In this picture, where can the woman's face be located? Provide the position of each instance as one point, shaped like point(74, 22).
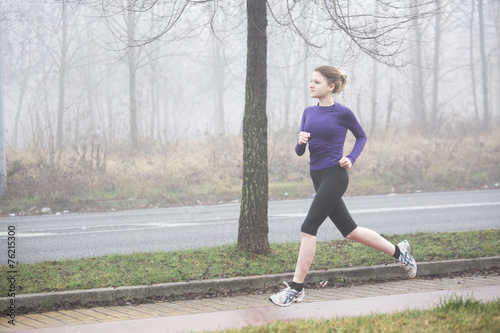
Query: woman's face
point(319, 86)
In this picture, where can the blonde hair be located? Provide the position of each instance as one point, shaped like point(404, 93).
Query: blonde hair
point(333, 75)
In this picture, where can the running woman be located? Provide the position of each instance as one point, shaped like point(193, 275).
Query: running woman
point(324, 127)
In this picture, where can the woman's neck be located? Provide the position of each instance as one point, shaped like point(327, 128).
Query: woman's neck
point(326, 101)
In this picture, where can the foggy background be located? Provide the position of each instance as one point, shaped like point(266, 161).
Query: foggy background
point(69, 76)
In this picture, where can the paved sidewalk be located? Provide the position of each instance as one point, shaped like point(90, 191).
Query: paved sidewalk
point(235, 312)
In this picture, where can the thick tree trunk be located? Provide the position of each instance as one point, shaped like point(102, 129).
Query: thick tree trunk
point(253, 227)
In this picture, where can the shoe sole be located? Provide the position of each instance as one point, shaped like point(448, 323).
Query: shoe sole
point(416, 270)
point(411, 253)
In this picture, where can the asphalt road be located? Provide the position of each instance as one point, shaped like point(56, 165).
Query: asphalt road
point(56, 237)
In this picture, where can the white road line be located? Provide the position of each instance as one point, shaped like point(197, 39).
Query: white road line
point(448, 206)
point(402, 209)
point(100, 229)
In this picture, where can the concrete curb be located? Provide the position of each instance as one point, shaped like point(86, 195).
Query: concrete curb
point(380, 272)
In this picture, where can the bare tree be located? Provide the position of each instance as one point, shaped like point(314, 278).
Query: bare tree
point(62, 74)
point(132, 71)
point(496, 16)
point(155, 95)
point(418, 87)
point(24, 77)
point(253, 227)
point(484, 67)
point(219, 75)
point(155, 68)
point(435, 82)
point(24, 66)
point(471, 53)
point(135, 34)
point(3, 161)
point(374, 92)
point(91, 79)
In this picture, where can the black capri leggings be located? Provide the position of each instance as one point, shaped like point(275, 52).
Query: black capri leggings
point(330, 185)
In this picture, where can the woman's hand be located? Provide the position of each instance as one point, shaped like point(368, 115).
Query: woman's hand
point(304, 138)
point(345, 163)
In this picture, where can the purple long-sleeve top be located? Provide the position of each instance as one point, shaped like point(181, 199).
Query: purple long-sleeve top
point(328, 127)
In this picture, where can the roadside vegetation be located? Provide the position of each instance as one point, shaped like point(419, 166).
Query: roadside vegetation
point(228, 261)
point(452, 315)
point(98, 176)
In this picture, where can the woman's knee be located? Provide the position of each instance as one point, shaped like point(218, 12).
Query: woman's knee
point(306, 235)
point(352, 235)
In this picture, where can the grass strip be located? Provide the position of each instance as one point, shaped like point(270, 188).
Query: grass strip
point(228, 261)
point(453, 315)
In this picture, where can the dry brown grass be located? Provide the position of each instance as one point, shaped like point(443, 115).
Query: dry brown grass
point(413, 163)
point(209, 170)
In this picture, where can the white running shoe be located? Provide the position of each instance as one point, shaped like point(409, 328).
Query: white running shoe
point(406, 259)
point(287, 296)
